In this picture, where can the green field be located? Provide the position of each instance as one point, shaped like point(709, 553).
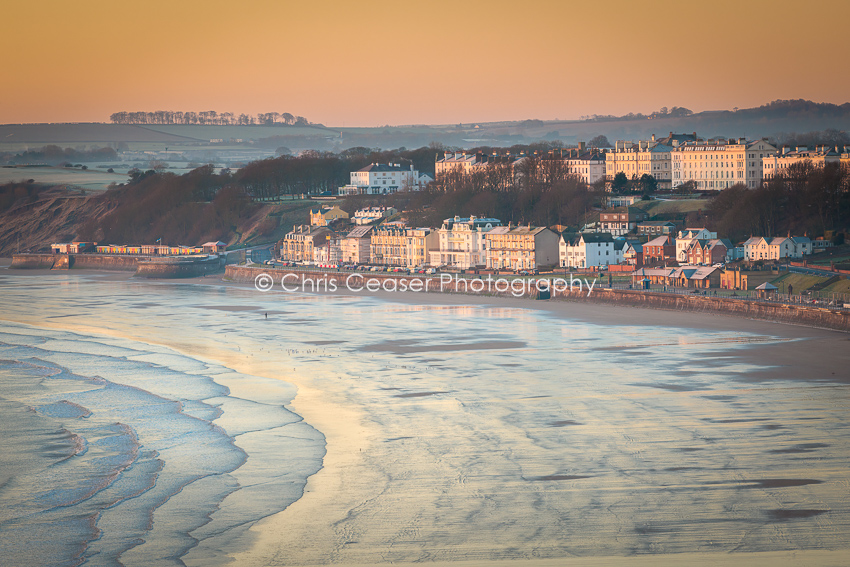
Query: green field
point(800, 282)
point(91, 179)
point(206, 133)
point(659, 207)
point(841, 286)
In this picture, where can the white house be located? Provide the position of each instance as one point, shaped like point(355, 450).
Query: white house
point(462, 242)
point(384, 179)
point(761, 248)
point(368, 215)
point(591, 250)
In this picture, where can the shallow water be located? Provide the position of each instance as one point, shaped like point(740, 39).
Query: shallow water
point(496, 432)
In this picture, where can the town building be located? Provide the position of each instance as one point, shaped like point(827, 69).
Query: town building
point(659, 250)
point(586, 164)
point(650, 157)
point(368, 215)
point(394, 244)
point(388, 246)
point(614, 201)
point(621, 220)
point(384, 179)
point(73, 247)
point(420, 243)
point(521, 248)
point(686, 238)
point(779, 163)
point(329, 253)
point(716, 165)
point(214, 247)
point(655, 228)
point(467, 164)
point(146, 249)
point(761, 248)
point(298, 245)
point(462, 242)
point(633, 254)
point(591, 250)
point(698, 277)
point(355, 246)
point(325, 215)
point(710, 252)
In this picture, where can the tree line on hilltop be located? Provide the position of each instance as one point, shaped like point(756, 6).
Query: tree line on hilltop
point(209, 117)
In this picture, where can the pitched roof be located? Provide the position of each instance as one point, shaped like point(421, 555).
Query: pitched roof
point(658, 241)
point(360, 232)
point(653, 272)
point(596, 237)
point(384, 167)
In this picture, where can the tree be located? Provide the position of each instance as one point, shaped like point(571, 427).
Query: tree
point(648, 184)
point(600, 141)
point(620, 183)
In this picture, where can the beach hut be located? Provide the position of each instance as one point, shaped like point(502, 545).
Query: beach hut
point(767, 290)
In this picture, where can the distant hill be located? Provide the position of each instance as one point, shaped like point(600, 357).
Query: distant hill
point(776, 118)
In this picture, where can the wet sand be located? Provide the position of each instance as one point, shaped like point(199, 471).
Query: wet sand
point(342, 493)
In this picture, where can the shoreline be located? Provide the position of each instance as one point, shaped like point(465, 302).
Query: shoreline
point(325, 499)
point(601, 309)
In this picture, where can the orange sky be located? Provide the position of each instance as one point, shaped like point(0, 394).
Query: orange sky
point(363, 62)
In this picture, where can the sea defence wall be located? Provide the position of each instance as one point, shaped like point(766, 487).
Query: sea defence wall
point(189, 267)
point(74, 261)
point(166, 267)
point(762, 310)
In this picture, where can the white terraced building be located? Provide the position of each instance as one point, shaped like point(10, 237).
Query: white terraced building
point(384, 179)
point(761, 248)
point(591, 250)
point(462, 242)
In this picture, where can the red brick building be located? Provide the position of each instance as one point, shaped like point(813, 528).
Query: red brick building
point(659, 250)
point(708, 252)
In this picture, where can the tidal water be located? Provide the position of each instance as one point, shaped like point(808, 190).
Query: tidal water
point(128, 436)
point(117, 451)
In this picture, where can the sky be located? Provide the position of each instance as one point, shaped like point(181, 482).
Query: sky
point(374, 62)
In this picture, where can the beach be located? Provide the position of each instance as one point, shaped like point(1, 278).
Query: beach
point(468, 430)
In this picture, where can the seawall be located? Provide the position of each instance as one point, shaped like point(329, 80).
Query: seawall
point(74, 261)
point(762, 310)
point(165, 267)
point(189, 267)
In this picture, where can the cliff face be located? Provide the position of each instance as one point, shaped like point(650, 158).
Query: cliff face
point(53, 218)
point(59, 216)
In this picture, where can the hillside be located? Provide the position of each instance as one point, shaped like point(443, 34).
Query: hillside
point(60, 216)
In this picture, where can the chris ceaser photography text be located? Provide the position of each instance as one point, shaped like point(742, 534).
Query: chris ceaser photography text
point(357, 283)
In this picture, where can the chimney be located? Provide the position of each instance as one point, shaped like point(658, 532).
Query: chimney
point(653, 137)
point(581, 147)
